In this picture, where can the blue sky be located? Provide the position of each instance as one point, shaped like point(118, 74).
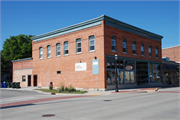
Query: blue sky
point(35, 18)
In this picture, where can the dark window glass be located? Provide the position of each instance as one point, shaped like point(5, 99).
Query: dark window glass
point(157, 52)
point(125, 45)
point(66, 48)
point(150, 51)
point(91, 43)
point(58, 49)
point(78, 45)
point(113, 43)
point(134, 47)
point(142, 49)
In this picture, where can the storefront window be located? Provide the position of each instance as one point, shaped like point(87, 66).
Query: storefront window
point(127, 78)
point(113, 77)
point(121, 77)
point(129, 65)
point(121, 64)
point(108, 77)
point(155, 73)
point(132, 77)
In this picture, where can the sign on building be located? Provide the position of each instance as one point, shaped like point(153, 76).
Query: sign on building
point(80, 66)
point(95, 66)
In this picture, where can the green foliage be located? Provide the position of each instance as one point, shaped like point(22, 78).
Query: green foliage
point(14, 48)
point(66, 89)
point(62, 88)
point(50, 87)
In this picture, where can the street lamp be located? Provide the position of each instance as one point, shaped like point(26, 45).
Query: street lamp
point(116, 58)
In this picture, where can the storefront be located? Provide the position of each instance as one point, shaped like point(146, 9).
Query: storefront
point(132, 72)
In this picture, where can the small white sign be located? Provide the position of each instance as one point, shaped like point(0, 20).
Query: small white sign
point(80, 66)
point(95, 63)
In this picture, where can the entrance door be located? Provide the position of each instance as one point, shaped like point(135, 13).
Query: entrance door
point(35, 80)
point(141, 72)
point(29, 80)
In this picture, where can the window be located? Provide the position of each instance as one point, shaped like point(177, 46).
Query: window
point(91, 43)
point(78, 45)
point(155, 72)
point(66, 48)
point(134, 47)
point(113, 43)
point(124, 45)
point(142, 49)
point(58, 49)
point(150, 53)
point(23, 78)
point(40, 53)
point(48, 51)
point(157, 52)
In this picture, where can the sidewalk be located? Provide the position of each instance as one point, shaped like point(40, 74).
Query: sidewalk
point(91, 92)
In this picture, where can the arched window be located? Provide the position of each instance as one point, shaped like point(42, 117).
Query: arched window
point(150, 51)
point(40, 53)
point(48, 51)
point(78, 45)
point(58, 49)
point(156, 52)
point(113, 43)
point(124, 45)
point(66, 48)
point(91, 43)
point(142, 49)
point(134, 47)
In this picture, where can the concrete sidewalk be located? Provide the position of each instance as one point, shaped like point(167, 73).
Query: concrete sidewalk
point(91, 92)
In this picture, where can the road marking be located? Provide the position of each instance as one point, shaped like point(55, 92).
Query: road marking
point(16, 99)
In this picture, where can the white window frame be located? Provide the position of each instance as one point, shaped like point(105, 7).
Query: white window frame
point(40, 53)
point(113, 38)
point(78, 41)
point(150, 51)
point(124, 41)
point(91, 38)
point(49, 51)
point(66, 44)
point(142, 49)
point(134, 46)
point(156, 52)
point(58, 45)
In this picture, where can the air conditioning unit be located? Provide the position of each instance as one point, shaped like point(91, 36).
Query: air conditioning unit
point(165, 59)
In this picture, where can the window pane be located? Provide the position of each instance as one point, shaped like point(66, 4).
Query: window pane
point(79, 50)
point(124, 50)
point(91, 47)
point(113, 77)
point(108, 77)
point(127, 78)
point(66, 51)
point(121, 80)
point(121, 64)
point(132, 77)
point(91, 42)
point(113, 48)
point(134, 47)
point(78, 44)
point(58, 53)
point(66, 47)
point(113, 42)
point(124, 44)
point(142, 48)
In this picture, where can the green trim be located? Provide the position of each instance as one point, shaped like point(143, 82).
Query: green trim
point(22, 59)
point(23, 69)
point(94, 22)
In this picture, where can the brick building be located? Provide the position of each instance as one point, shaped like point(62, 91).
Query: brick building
point(173, 53)
point(83, 55)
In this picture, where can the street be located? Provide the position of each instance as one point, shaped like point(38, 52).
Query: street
point(161, 105)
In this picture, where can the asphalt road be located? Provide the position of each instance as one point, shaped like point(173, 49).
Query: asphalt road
point(162, 105)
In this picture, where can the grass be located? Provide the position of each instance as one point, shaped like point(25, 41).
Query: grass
point(56, 91)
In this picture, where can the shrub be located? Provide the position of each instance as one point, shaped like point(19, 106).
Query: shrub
point(50, 87)
point(62, 88)
point(66, 89)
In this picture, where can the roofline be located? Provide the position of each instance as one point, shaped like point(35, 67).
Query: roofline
point(95, 22)
point(22, 59)
point(171, 47)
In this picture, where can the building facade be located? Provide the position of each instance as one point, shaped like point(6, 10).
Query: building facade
point(82, 55)
point(172, 52)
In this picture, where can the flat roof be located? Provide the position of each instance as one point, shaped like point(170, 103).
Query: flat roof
point(22, 59)
point(94, 22)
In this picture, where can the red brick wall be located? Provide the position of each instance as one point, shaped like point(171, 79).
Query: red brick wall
point(47, 68)
point(173, 53)
point(130, 37)
point(21, 65)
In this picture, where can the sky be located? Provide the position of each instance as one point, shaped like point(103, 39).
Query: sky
point(39, 17)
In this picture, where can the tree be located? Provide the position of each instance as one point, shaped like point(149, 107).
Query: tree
point(14, 48)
